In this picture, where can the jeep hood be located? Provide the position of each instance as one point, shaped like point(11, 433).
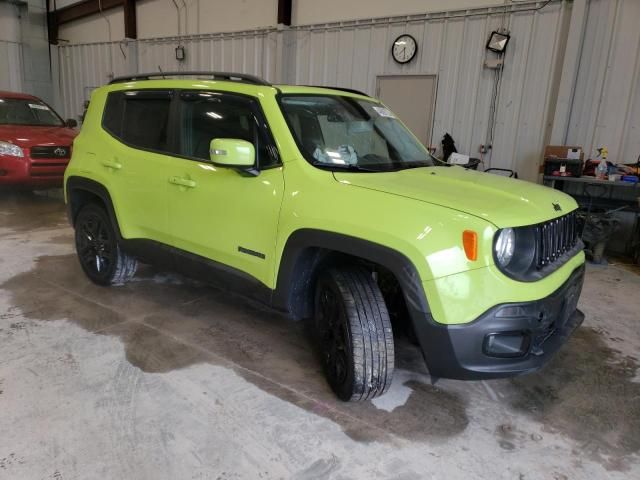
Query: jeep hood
point(505, 202)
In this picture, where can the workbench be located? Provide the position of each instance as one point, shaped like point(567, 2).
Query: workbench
point(602, 195)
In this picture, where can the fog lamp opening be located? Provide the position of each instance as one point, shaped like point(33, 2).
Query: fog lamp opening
point(507, 345)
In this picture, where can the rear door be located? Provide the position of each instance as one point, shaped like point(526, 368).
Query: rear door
point(216, 212)
point(135, 162)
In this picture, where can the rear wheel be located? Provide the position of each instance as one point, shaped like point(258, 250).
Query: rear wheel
point(100, 255)
point(354, 333)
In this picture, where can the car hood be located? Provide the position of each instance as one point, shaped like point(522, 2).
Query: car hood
point(29, 135)
point(503, 201)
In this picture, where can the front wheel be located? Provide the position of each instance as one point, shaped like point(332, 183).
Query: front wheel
point(100, 255)
point(354, 333)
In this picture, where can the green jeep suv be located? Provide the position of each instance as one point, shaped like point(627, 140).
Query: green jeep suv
point(320, 203)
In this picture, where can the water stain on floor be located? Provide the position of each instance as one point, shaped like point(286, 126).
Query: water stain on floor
point(169, 325)
point(586, 392)
point(167, 322)
point(24, 211)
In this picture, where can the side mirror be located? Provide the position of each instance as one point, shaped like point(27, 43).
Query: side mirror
point(232, 152)
point(71, 123)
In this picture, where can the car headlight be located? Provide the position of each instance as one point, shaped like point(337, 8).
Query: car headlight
point(505, 246)
point(10, 149)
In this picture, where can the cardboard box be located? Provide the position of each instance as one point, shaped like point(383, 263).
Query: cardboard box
point(564, 151)
point(561, 152)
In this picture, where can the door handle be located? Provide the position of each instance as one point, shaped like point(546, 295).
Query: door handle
point(183, 182)
point(112, 164)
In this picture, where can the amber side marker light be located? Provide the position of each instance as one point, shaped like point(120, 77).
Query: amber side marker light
point(470, 243)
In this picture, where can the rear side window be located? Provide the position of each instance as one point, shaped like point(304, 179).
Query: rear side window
point(139, 118)
point(113, 110)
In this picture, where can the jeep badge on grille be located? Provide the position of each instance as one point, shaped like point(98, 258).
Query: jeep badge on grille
point(60, 152)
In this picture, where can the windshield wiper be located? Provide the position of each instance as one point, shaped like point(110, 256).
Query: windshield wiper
point(344, 166)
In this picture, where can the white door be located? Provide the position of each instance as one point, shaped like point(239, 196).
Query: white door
point(412, 98)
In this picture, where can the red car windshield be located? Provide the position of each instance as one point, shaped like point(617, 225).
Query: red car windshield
point(18, 111)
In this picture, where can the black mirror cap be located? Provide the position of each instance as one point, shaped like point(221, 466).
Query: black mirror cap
point(71, 123)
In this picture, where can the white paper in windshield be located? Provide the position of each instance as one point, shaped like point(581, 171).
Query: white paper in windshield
point(384, 112)
point(37, 106)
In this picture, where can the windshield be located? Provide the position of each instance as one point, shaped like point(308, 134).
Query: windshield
point(348, 133)
point(18, 111)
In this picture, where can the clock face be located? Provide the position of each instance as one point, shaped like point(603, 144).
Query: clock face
point(404, 48)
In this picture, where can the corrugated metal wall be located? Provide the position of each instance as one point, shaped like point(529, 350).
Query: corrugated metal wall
point(11, 76)
point(85, 67)
point(82, 68)
point(451, 45)
point(246, 52)
point(606, 103)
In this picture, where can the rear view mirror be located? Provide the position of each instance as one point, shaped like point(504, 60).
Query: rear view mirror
point(232, 152)
point(71, 123)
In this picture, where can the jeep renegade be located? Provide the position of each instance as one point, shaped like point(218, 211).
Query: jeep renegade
point(320, 203)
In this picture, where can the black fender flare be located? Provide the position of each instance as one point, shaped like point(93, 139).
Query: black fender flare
point(305, 248)
point(81, 184)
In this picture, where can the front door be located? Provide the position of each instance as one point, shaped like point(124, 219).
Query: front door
point(219, 213)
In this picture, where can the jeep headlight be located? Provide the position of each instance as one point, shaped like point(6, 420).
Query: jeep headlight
point(504, 246)
point(10, 149)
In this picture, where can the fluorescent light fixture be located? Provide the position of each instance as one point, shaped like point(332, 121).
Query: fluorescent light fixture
point(498, 42)
point(215, 115)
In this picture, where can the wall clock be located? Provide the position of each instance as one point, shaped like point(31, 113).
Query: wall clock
point(404, 48)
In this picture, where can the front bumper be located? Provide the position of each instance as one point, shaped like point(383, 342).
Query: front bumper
point(26, 171)
point(507, 340)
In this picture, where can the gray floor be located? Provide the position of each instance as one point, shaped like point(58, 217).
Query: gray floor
point(168, 379)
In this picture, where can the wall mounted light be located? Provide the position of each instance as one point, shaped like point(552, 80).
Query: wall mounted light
point(180, 53)
point(498, 41)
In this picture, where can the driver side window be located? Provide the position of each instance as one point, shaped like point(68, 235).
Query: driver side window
point(205, 116)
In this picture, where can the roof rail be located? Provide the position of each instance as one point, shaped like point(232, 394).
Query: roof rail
point(234, 77)
point(342, 89)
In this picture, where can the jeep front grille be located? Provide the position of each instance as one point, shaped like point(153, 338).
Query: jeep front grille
point(554, 238)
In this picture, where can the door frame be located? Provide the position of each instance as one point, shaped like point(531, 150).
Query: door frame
point(415, 75)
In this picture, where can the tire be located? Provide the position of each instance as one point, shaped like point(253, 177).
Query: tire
point(100, 255)
point(354, 333)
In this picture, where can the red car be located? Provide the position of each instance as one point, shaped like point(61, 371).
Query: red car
point(35, 143)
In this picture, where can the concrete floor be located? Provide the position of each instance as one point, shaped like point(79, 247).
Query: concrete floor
point(169, 379)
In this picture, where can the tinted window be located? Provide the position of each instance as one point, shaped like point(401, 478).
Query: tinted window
point(113, 110)
point(139, 119)
point(207, 115)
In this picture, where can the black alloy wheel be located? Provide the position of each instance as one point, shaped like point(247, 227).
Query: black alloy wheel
point(99, 253)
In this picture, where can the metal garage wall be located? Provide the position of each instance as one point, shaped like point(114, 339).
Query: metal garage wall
point(11, 77)
point(251, 52)
point(606, 102)
point(83, 67)
point(452, 45)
